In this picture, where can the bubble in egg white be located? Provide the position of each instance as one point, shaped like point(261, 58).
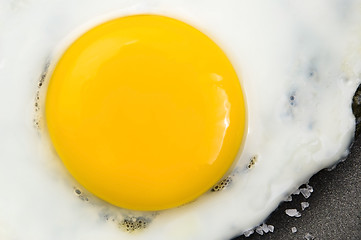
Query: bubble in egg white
point(299, 64)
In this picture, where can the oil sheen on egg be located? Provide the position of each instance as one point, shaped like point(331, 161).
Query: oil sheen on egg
point(298, 63)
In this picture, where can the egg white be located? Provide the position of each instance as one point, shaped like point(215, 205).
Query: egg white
point(299, 64)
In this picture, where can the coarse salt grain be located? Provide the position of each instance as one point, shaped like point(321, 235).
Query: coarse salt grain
point(259, 230)
point(288, 199)
point(265, 228)
point(248, 233)
point(308, 236)
point(304, 205)
point(293, 213)
point(305, 192)
point(296, 192)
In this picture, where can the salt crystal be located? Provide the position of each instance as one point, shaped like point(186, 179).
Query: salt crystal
point(304, 205)
point(305, 192)
point(310, 188)
point(293, 213)
point(248, 233)
point(259, 230)
point(294, 229)
point(265, 228)
point(271, 228)
point(296, 192)
point(288, 199)
point(309, 236)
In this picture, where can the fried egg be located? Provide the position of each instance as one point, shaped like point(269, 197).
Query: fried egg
point(261, 89)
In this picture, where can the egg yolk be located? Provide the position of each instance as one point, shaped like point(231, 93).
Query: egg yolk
point(146, 112)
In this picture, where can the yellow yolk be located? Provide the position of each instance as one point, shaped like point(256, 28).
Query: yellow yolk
point(146, 112)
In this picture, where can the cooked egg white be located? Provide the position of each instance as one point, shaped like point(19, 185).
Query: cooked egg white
point(298, 63)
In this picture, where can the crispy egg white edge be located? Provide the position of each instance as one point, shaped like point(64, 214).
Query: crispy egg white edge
point(87, 217)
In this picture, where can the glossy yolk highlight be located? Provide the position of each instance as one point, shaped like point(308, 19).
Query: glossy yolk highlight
point(146, 112)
